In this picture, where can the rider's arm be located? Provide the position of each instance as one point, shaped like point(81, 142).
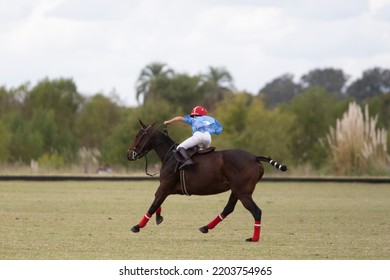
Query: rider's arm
point(175, 119)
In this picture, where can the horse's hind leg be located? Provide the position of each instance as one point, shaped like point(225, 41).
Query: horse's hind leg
point(251, 206)
point(229, 208)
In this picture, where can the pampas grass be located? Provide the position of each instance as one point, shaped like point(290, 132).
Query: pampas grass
point(356, 146)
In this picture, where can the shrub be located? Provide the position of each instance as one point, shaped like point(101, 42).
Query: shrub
point(52, 161)
point(356, 146)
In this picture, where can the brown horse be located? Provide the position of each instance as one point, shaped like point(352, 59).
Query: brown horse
point(212, 173)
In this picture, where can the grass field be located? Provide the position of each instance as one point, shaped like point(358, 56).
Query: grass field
point(91, 220)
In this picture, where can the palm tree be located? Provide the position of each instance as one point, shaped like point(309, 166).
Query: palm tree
point(218, 83)
point(150, 73)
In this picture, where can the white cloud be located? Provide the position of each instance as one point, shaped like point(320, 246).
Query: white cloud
point(104, 45)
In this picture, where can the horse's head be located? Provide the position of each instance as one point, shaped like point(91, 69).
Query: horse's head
point(141, 145)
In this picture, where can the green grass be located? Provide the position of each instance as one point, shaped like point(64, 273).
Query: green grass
point(91, 220)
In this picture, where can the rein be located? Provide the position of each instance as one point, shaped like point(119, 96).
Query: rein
point(146, 167)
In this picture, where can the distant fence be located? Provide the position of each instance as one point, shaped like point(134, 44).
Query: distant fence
point(373, 180)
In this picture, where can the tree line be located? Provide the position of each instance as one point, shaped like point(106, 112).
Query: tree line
point(54, 124)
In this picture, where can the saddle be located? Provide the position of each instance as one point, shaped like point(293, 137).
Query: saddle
point(199, 150)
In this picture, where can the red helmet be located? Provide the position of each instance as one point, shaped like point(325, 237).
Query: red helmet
point(198, 111)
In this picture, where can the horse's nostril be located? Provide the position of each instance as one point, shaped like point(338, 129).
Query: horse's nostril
point(132, 155)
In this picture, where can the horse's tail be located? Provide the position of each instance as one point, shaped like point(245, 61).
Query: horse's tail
point(279, 166)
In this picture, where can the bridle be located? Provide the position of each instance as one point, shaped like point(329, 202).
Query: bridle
point(135, 154)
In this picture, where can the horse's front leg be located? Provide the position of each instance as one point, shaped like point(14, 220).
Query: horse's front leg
point(159, 218)
point(145, 219)
point(154, 208)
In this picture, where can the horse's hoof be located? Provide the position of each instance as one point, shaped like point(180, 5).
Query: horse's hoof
point(159, 219)
point(251, 240)
point(135, 229)
point(204, 229)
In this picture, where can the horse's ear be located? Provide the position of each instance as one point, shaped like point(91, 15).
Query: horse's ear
point(142, 124)
point(153, 124)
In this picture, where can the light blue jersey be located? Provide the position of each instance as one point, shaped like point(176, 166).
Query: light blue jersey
point(204, 123)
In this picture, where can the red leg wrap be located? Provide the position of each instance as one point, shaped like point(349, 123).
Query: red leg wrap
point(144, 220)
point(216, 221)
point(256, 231)
point(158, 211)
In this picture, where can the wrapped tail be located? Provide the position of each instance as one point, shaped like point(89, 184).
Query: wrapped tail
point(277, 165)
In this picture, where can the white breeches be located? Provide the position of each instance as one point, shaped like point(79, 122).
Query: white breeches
point(198, 138)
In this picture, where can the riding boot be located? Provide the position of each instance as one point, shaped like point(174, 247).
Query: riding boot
point(187, 161)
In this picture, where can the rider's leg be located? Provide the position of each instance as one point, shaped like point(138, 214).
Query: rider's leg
point(187, 160)
point(194, 140)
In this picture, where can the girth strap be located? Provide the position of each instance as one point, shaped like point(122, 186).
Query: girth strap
point(183, 183)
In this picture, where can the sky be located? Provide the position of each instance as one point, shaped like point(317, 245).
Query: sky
point(104, 44)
